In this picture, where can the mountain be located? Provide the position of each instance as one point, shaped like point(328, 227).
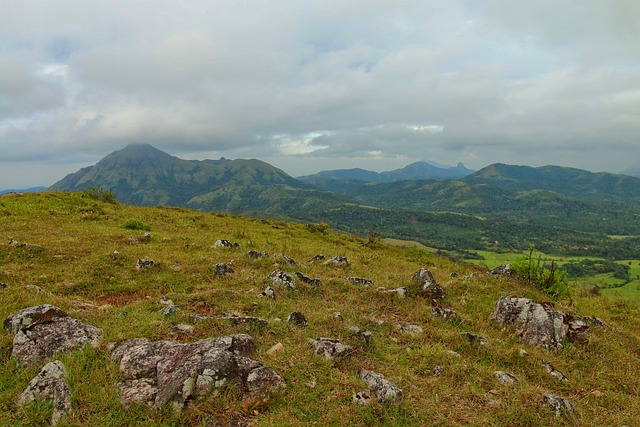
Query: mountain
point(24, 190)
point(140, 174)
point(417, 170)
point(632, 171)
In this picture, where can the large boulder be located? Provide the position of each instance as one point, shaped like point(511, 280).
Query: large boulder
point(44, 330)
point(167, 372)
point(49, 385)
point(537, 324)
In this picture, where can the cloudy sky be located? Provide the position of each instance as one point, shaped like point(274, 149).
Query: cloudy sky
point(312, 85)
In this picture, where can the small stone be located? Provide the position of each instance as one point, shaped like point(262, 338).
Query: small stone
point(443, 314)
point(330, 348)
point(246, 320)
point(315, 282)
point(269, 292)
point(338, 315)
point(166, 301)
point(169, 310)
point(505, 377)
point(362, 398)
point(3, 285)
point(286, 259)
point(222, 270)
point(384, 389)
point(338, 260)
point(503, 270)
point(474, 339)
point(256, 255)
point(263, 381)
point(523, 353)
point(454, 353)
point(560, 406)
point(317, 257)
point(409, 329)
point(142, 264)
point(221, 243)
point(282, 279)
point(553, 371)
point(437, 371)
point(183, 329)
point(400, 292)
point(359, 281)
point(276, 349)
point(595, 321)
point(298, 319)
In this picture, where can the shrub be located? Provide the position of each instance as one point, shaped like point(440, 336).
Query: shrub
point(134, 224)
point(98, 193)
point(549, 279)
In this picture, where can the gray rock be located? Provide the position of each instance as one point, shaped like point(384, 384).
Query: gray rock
point(142, 264)
point(269, 292)
point(49, 385)
point(338, 315)
point(222, 270)
point(536, 324)
point(362, 398)
point(221, 243)
point(359, 281)
point(314, 282)
point(256, 255)
point(182, 329)
point(169, 310)
point(408, 328)
point(42, 331)
point(3, 285)
point(400, 292)
point(282, 279)
point(430, 287)
point(505, 377)
point(317, 257)
point(553, 371)
point(503, 270)
point(385, 391)
point(286, 259)
point(595, 321)
point(330, 348)
point(298, 319)
point(443, 313)
point(437, 371)
point(166, 372)
point(338, 260)
point(559, 405)
point(474, 339)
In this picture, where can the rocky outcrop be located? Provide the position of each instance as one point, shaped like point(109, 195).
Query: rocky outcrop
point(280, 278)
point(430, 287)
point(298, 319)
point(166, 372)
point(44, 330)
point(49, 385)
point(538, 324)
point(330, 348)
point(311, 281)
point(384, 390)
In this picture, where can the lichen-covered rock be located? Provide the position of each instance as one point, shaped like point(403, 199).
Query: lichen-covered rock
point(536, 324)
point(505, 377)
point(282, 258)
point(167, 372)
point(409, 329)
point(385, 391)
point(443, 313)
point(49, 384)
point(360, 281)
point(553, 371)
point(338, 260)
point(280, 278)
point(399, 292)
point(298, 319)
point(221, 243)
point(42, 331)
point(256, 255)
point(430, 287)
point(503, 270)
point(474, 339)
point(362, 398)
point(311, 281)
point(142, 264)
point(269, 292)
point(169, 309)
point(559, 405)
point(222, 270)
point(316, 257)
point(330, 348)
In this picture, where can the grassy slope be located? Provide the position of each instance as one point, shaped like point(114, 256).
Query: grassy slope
point(78, 272)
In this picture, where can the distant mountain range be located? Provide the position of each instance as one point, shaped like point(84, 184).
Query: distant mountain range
point(24, 190)
point(513, 205)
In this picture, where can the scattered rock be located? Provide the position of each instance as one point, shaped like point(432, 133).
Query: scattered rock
point(536, 324)
point(169, 310)
point(49, 384)
point(523, 353)
point(577, 330)
point(437, 371)
point(221, 243)
point(364, 334)
point(38, 289)
point(269, 292)
point(315, 282)
point(166, 301)
point(246, 320)
point(338, 315)
point(474, 339)
point(338, 260)
point(453, 353)
point(276, 349)
point(560, 406)
point(443, 314)
point(285, 258)
point(3, 285)
point(453, 274)
point(359, 281)
point(44, 330)
point(362, 398)
point(330, 348)
point(282, 279)
point(505, 377)
point(400, 292)
point(385, 391)
point(430, 287)
point(145, 237)
point(144, 263)
point(595, 321)
point(256, 255)
point(298, 319)
point(407, 328)
point(182, 329)
point(317, 257)
point(222, 270)
point(503, 270)
point(553, 371)
point(167, 372)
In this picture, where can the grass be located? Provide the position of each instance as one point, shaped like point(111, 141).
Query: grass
point(78, 271)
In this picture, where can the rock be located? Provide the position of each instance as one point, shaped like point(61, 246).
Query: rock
point(536, 324)
point(362, 398)
point(364, 334)
point(256, 255)
point(285, 259)
point(430, 287)
point(144, 263)
point(443, 314)
point(453, 274)
point(407, 328)
point(49, 384)
point(503, 270)
point(145, 237)
point(330, 348)
point(282, 279)
point(577, 330)
point(559, 405)
point(338, 260)
point(338, 315)
point(3, 285)
point(400, 292)
point(276, 349)
point(246, 320)
point(384, 389)
point(437, 371)
point(269, 292)
point(317, 257)
point(298, 319)
point(595, 321)
point(474, 339)
point(553, 371)
point(221, 243)
point(359, 281)
point(166, 301)
point(222, 270)
point(315, 282)
point(505, 377)
point(169, 310)
point(182, 329)
point(523, 353)
point(42, 331)
point(167, 372)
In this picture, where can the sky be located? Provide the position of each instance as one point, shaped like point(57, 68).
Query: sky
point(317, 85)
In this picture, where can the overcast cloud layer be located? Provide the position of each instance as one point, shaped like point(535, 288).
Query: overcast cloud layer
point(312, 85)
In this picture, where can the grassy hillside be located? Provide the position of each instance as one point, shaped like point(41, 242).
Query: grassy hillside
point(75, 268)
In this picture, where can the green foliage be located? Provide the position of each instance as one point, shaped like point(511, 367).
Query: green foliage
point(590, 267)
point(134, 224)
point(320, 227)
point(547, 278)
point(98, 193)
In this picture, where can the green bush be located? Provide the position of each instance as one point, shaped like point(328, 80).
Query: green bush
point(134, 224)
point(547, 278)
point(98, 193)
